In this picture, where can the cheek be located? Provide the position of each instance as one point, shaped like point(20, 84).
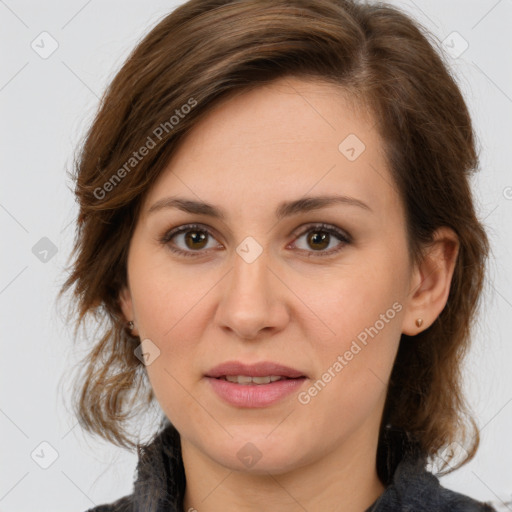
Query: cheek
point(363, 311)
point(365, 340)
point(165, 293)
point(354, 364)
point(167, 300)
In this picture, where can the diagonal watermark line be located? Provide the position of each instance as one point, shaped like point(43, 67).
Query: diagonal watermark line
point(304, 98)
point(14, 76)
point(14, 218)
point(67, 225)
point(491, 490)
point(502, 296)
point(7, 7)
point(377, 377)
point(69, 431)
point(374, 168)
point(13, 279)
point(14, 485)
point(85, 494)
point(285, 490)
point(183, 183)
point(491, 212)
point(424, 13)
point(101, 474)
point(80, 79)
point(492, 81)
point(14, 424)
point(216, 487)
point(492, 419)
point(76, 14)
point(282, 421)
point(486, 14)
point(301, 300)
point(205, 409)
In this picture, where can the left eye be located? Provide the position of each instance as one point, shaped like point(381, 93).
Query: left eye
point(195, 239)
point(321, 237)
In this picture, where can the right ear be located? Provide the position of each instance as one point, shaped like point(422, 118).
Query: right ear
point(125, 301)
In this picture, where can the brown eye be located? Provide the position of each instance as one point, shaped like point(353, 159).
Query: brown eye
point(189, 240)
point(318, 238)
point(195, 239)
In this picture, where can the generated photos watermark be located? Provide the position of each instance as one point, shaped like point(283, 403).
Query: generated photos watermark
point(304, 397)
point(151, 142)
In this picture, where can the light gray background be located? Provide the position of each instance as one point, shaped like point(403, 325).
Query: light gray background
point(47, 104)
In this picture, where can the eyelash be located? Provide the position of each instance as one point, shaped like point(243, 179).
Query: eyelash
point(324, 228)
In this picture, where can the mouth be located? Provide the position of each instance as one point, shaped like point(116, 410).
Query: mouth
point(258, 373)
point(254, 385)
point(245, 380)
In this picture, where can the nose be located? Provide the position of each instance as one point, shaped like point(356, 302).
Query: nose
point(253, 299)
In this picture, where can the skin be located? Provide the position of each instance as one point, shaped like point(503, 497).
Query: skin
point(291, 305)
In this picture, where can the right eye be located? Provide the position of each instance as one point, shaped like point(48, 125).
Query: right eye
point(193, 237)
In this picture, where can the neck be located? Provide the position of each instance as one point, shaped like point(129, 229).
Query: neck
point(345, 476)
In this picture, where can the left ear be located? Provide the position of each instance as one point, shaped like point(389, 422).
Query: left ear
point(431, 280)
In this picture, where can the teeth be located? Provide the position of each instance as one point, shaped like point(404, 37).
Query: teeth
point(244, 379)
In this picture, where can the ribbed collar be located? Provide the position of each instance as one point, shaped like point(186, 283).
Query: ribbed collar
point(160, 482)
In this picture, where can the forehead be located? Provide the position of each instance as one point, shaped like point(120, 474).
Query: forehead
point(279, 141)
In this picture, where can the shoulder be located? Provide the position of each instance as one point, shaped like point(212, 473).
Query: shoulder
point(422, 490)
point(124, 504)
point(457, 502)
point(413, 487)
point(402, 467)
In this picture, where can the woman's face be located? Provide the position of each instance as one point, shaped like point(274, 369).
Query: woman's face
point(323, 290)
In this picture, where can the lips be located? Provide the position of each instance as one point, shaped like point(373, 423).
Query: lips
point(254, 385)
point(262, 369)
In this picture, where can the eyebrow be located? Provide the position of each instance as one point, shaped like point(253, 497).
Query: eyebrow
point(285, 209)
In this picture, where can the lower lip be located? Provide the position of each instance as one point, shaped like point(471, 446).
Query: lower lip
point(254, 395)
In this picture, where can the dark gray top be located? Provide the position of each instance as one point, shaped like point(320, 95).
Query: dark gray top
point(160, 480)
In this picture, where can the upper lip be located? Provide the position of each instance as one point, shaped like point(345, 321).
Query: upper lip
point(262, 369)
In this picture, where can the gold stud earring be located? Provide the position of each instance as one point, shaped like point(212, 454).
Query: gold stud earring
point(419, 322)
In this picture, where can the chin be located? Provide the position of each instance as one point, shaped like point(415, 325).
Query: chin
point(258, 454)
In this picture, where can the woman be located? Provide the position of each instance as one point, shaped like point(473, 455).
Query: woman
point(237, 137)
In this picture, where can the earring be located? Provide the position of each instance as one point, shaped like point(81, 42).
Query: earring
point(419, 322)
point(130, 325)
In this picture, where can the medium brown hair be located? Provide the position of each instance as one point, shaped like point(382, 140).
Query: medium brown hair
point(206, 50)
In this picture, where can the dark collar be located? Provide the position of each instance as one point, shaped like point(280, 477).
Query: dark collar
point(160, 481)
